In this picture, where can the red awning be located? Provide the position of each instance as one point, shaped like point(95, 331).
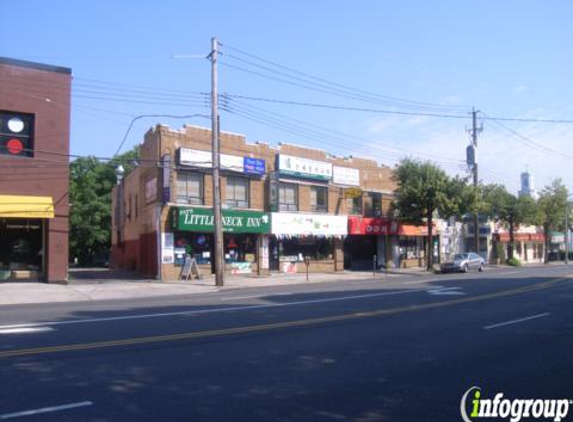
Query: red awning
point(375, 226)
point(521, 237)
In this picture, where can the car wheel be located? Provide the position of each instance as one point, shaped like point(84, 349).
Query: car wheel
point(465, 268)
point(481, 268)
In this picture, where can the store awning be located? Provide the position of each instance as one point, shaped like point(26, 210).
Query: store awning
point(12, 206)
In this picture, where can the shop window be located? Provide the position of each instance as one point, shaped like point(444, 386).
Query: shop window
point(21, 248)
point(190, 188)
point(356, 205)
point(240, 247)
point(237, 192)
point(288, 197)
point(314, 247)
point(319, 198)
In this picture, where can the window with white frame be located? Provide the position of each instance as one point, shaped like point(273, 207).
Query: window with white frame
point(237, 194)
point(288, 197)
point(190, 188)
point(319, 198)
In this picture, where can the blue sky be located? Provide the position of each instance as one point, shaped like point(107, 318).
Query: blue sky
point(505, 58)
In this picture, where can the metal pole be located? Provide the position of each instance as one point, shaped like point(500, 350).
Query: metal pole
point(218, 223)
point(567, 232)
point(475, 174)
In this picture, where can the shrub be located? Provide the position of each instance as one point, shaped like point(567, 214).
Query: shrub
point(514, 262)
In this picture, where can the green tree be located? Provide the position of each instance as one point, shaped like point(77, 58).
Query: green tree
point(508, 210)
point(91, 182)
point(552, 206)
point(424, 189)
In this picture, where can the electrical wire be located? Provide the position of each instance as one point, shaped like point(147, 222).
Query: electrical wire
point(346, 108)
point(334, 85)
point(322, 132)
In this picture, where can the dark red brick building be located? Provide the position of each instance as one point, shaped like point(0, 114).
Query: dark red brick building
point(34, 174)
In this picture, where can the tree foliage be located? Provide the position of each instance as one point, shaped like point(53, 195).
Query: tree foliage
point(552, 207)
point(424, 189)
point(91, 182)
point(508, 210)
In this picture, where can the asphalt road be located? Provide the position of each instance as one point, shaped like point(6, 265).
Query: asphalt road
point(400, 349)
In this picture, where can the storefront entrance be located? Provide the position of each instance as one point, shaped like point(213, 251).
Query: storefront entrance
point(21, 249)
point(359, 252)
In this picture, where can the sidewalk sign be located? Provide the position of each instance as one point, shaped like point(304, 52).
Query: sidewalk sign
point(190, 269)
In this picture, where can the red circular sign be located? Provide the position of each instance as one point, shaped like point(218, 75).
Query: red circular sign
point(14, 146)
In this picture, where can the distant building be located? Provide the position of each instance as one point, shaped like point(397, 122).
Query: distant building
point(34, 175)
point(528, 186)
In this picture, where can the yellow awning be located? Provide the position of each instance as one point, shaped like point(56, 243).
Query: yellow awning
point(12, 206)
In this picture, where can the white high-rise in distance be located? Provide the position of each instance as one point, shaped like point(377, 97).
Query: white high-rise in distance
point(528, 186)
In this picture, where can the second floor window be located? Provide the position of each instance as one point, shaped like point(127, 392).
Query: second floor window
point(190, 188)
point(288, 197)
point(319, 198)
point(356, 205)
point(237, 194)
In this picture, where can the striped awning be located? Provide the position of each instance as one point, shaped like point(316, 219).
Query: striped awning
point(13, 206)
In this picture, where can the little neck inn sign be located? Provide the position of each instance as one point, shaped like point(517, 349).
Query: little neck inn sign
point(234, 221)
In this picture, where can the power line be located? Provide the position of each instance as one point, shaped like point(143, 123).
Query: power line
point(347, 108)
point(325, 133)
point(324, 82)
point(532, 144)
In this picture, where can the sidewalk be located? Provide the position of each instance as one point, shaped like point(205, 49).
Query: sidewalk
point(104, 284)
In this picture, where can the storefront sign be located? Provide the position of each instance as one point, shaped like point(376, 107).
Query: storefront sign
point(304, 167)
point(151, 190)
point(167, 248)
point(202, 220)
point(309, 224)
point(253, 166)
point(166, 191)
point(204, 159)
point(376, 226)
point(264, 253)
point(521, 237)
point(274, 192)
point(241, 268)
point(346, 176)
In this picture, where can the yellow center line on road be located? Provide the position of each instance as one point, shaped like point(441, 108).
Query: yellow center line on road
point(278, 325)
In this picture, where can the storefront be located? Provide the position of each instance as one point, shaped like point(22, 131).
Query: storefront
point(394, 244)
point(300, 238)
point(23, 224)
point(528, 247)
point(192, 233)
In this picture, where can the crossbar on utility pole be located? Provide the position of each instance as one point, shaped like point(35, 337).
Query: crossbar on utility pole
point(217, 213)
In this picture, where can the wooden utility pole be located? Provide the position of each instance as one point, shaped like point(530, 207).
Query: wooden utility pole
point(474, 133)
point(217, 213)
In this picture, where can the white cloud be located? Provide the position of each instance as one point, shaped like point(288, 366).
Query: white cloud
point(502, 156)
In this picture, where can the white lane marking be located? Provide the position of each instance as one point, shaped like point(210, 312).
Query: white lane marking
point(211, 311)
point(256, 296)
point(45, 410)
point(516, 321)
point(25, 330)
point(446, 291)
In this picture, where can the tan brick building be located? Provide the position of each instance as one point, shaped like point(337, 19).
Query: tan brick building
point(280, 205)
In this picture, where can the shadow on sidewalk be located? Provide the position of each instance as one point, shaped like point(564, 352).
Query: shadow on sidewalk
point(99, 275)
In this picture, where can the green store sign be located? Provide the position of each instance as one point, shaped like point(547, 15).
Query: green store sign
point(202, 220)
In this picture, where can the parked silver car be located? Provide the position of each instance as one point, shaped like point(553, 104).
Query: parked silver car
point(463, 262)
